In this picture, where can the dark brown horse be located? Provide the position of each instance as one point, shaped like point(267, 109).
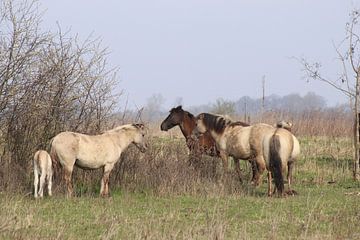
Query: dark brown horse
point(203, 144)
point(186, 121)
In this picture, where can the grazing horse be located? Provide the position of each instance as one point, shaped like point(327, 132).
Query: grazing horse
point(95, 151)
point(204, 143)
point(272, 148)
point(42, 167)
point(186, 121)
point(284, 124)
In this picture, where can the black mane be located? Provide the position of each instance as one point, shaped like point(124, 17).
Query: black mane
point(215, 122)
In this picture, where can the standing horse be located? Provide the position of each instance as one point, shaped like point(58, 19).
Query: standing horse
point(96, 151)
point(42, 167)
point(272, 148)
point(186, 121)
point(197, 146)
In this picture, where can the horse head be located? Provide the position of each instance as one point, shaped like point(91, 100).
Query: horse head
point(139, 139)
point(175, 118)
point(284, 124)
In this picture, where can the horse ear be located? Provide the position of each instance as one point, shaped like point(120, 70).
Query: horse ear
point(139, 125)
point(201, 116)
point(178, 108)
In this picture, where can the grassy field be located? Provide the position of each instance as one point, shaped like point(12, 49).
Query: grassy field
point(327, 207)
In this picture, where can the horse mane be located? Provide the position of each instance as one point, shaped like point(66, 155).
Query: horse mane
point(125, 127)
point(189, 114)
point(180, 109)
point(216, 122)
point(239, 123)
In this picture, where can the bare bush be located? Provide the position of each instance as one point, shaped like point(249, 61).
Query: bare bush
point(49, 82)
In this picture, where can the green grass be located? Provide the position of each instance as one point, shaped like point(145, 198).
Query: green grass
point(317, 212)
point(327, 206)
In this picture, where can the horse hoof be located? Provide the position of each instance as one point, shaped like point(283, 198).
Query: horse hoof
point(291, 193)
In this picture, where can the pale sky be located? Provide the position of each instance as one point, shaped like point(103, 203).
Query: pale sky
point(201, 50)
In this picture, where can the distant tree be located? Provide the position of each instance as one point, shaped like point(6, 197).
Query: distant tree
point(313, 101)
point(223, 107)
point(348, 82)
point(153, 108)
point(292, 103)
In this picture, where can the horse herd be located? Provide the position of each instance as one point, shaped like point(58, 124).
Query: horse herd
point(266, 147)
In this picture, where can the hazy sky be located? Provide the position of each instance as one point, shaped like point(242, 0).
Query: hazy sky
point(201, 50)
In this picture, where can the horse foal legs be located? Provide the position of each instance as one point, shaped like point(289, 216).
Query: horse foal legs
point(42, 184)
point(36, 182)
point(49, 180)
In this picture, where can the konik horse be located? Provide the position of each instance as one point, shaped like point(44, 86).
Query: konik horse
point(95, 151)
point(272, 148)
point(42, 167)
point(204, 143)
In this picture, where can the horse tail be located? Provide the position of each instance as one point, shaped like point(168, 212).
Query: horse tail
point(276, 163)
point(54, 159)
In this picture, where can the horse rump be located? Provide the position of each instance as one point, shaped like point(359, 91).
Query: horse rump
point(55, 160)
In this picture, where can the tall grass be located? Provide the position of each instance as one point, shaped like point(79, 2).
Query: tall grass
point(158, 195)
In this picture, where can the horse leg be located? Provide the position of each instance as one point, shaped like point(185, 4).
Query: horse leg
point(36, 182)
point(260, 166)
point(42, 184)
point(289, 176)
point(269, 184)
point(49, 180)
point(255, 170)
point(237, 168)
point(104, 190)
point(224, 158)
point(67, 176)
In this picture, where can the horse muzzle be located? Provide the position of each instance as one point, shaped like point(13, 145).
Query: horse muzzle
point(143, 148)
point(196, 133)
point(163, 127)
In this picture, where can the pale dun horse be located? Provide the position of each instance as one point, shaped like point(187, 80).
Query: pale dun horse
point(42, 167)
point(272, 148)
point(95, 151)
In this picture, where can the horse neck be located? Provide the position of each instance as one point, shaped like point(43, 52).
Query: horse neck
point(124, 139)
point(216, 136)
point(187, 126)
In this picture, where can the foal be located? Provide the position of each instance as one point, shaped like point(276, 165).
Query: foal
point(42, 167)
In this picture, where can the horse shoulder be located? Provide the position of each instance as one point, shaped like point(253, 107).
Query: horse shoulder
point(237, 144)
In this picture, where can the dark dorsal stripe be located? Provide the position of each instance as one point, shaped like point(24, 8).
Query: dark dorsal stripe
point(138, 125)
point(243, 124)
point(216, 123)
point(190, 115)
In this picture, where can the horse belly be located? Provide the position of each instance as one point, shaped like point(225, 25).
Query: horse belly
point(238, 146)
point(88, 165)
point(95, 157)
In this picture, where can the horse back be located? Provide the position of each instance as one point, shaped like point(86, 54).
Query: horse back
point(42, 160)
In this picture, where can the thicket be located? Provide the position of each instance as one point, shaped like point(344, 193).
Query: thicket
point(49, 82)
